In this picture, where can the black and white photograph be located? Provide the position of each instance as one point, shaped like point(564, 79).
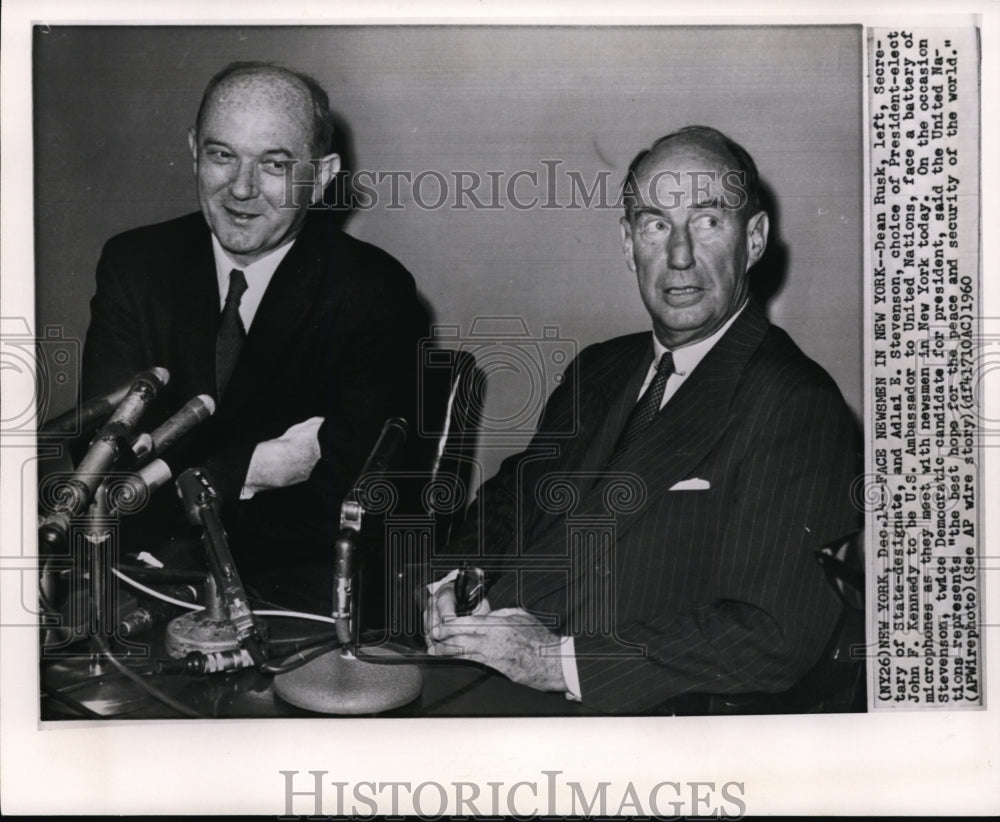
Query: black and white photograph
point(370, 378)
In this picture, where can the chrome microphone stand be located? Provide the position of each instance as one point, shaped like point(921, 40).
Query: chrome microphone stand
point(350, 679)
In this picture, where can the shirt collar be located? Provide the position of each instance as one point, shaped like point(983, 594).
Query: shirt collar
point(258, 272)
point(688, 356)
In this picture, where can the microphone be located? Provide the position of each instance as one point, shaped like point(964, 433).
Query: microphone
point(392, 437)
point(155, 473)
point(153, 444)
point(80, 420)
point(105, 450)
point(343, 681)
point(139, 485)
point(202, 506)
point(107, 446)
point(351, 511)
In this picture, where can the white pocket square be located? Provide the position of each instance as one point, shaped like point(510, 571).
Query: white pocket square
point(693, 484)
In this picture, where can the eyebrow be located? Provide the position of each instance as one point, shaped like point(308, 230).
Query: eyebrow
point(643, 211)
point(210, 141)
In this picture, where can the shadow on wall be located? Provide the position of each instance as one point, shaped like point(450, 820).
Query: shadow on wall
point(338, 195)
point(767, 278)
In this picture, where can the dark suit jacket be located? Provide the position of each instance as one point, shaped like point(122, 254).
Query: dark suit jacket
point(334, 336)
point(672, 592)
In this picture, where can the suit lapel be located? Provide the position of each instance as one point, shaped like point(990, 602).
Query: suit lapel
point(604, 404)
point(685, 430)
point(195, 311)
point(614, 401)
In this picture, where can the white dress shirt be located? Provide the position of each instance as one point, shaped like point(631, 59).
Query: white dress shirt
point(685, 359)
point(258, 275)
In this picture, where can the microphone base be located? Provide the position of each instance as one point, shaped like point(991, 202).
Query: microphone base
point(340, 683)
point(198, 632)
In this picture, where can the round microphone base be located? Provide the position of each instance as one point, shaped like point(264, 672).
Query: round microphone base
point(340, 683)
point(198, 632)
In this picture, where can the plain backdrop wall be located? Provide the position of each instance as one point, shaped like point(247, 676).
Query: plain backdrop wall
point(112, 106)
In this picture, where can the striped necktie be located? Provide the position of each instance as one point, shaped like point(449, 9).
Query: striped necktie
point(229, 340)
point(645, 409)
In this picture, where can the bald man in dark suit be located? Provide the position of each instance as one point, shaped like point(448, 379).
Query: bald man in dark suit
point(666, 550)
point(328, 326)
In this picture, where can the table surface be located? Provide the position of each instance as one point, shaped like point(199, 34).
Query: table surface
point(449, 688)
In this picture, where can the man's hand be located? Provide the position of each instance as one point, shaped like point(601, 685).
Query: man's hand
point(509, 640)
point(284, 461)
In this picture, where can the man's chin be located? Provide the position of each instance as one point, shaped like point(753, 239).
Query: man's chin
point(239, 244)
point(683, 327)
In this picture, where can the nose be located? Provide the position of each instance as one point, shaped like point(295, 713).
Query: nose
point(679, 251)
point(243, 185)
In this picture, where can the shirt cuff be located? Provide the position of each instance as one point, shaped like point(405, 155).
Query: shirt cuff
point(567, 655)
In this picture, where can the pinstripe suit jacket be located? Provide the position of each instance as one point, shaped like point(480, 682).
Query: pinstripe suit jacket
point(707, 588)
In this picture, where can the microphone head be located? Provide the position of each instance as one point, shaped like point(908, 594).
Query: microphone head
point(195, 490)
point(207, 404)
point(53, 531)
point(399, 423)
point(157, 377)
point(195, 411)
point(116, 396)
point(132, 493)
point(155, 475)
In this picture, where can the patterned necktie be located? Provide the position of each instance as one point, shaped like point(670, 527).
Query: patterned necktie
point(231, 334)
point(645, 409)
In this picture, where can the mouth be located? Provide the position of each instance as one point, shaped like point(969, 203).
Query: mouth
point(240, 217)
point(682, 295)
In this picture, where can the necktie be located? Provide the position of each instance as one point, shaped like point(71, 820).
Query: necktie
point(645, 409)
point(231, 334)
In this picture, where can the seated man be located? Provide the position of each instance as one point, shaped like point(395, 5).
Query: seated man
point(720, 454)
point(305, 337)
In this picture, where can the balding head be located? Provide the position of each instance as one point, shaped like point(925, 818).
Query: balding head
point(743, 179)
point(277, 87)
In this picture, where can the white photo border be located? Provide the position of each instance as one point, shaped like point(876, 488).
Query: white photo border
point(877, 763)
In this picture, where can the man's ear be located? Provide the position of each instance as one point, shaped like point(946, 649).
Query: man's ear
point(757, 228)
point(193, 145)
point(327, 168)
point(627, 247)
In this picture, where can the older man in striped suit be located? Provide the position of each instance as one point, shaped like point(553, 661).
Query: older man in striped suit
point(711, 458)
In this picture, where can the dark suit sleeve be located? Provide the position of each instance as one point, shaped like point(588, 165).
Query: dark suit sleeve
point(774, 611)
point(114, 351)
point(375, 377)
